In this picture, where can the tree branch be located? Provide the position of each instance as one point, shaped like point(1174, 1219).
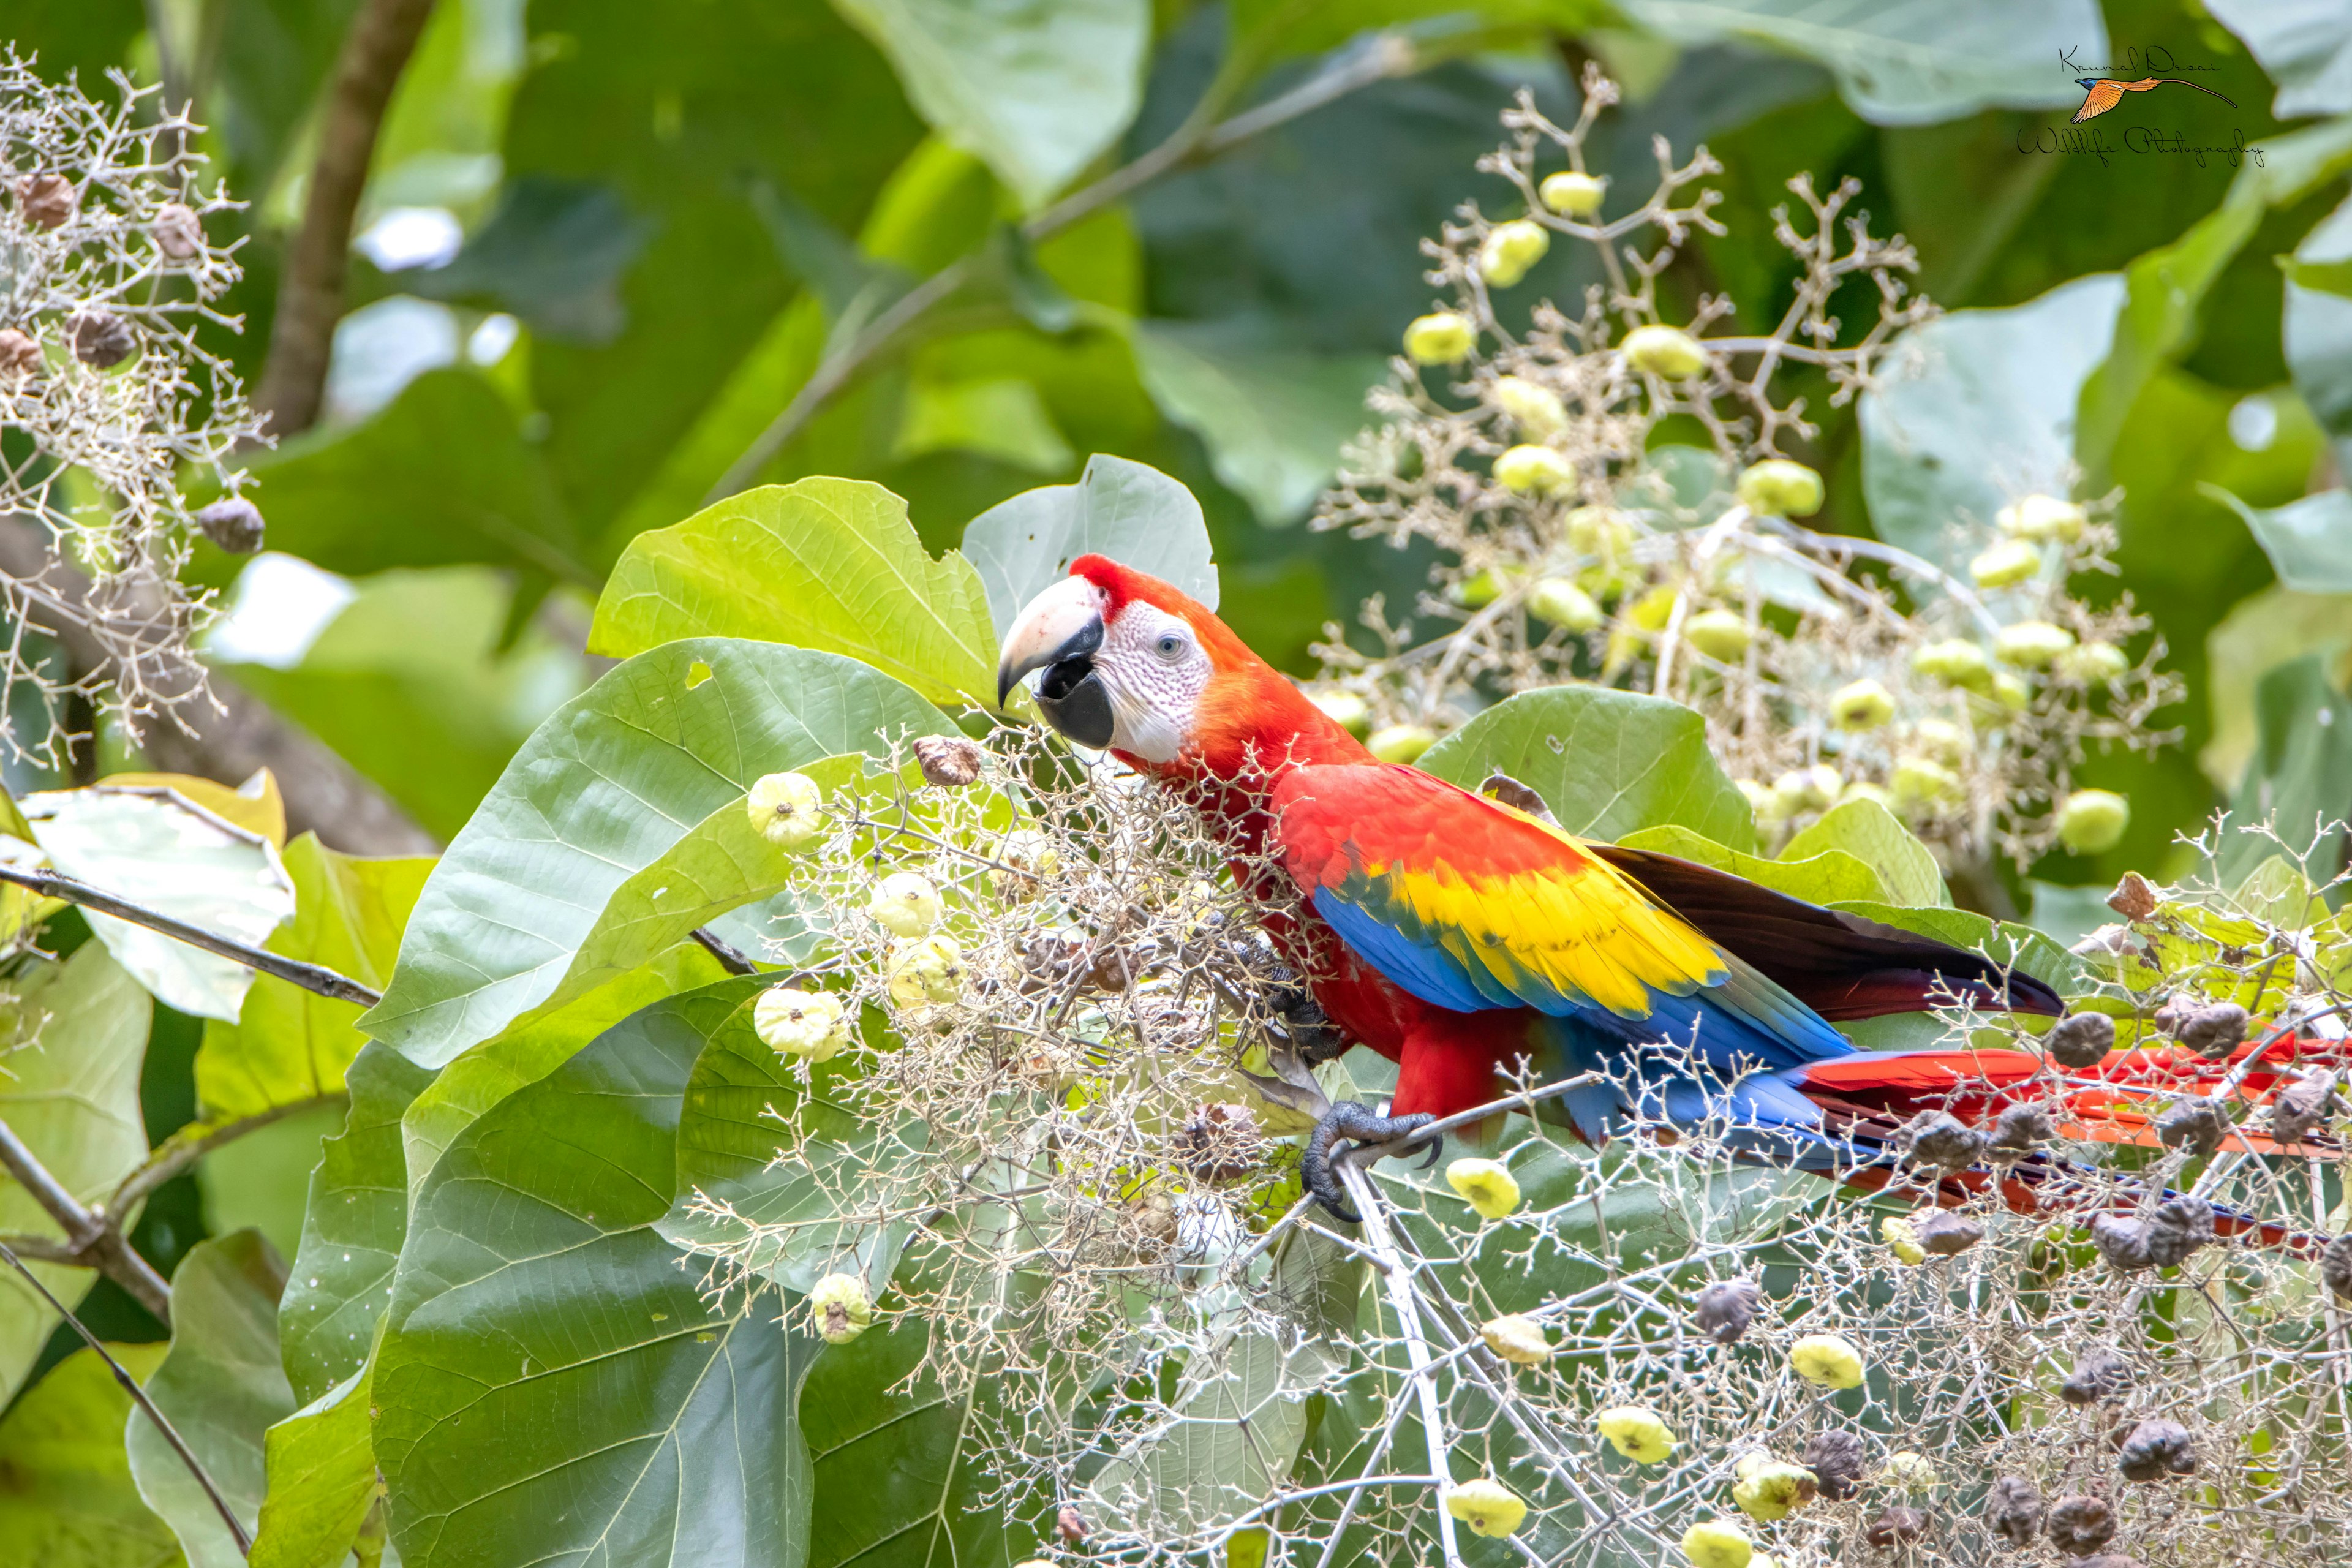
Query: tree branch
point(94, 1241)
point(139, 1397)
point(313, 977)
point(180, 1150)
point(310, 292)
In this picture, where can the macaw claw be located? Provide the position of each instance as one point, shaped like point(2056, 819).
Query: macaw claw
point(1355, 1121)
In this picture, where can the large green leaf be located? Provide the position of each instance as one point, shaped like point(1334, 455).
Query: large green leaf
point(2309, 542)
point(290, 1044)
point(222, 1388)
point(2008, 943)
point(2307, 48)
point(322, 1473)
point(2166, 289)
point(441, 475)
point(2300, 777)
point(1136, 515)
point(72, 1095)
point(551, 1386)
point(1870, 833)
point(1038, 89)
point(66, 1495)
point(1899, 64)
point(1826, 876)
point(157, 847)
point(824, 563)
point(609, 784)
point(2262, 632)
point(530, 1048)
point(1607, 762)
point(2316, 322)
point(1976, 408)
point(351, 1229)
point(1274, 418)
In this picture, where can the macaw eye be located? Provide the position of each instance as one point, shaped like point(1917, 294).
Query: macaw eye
point(1170, 646)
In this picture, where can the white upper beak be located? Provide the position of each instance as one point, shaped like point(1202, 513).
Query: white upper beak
point(1065, 619)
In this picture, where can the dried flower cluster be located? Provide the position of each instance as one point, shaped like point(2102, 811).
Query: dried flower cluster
point(1588, 538)
point(109, 395)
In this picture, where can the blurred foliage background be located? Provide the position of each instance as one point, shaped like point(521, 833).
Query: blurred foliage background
point(610, 261)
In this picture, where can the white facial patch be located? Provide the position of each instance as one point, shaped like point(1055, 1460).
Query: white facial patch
point(1155, 669)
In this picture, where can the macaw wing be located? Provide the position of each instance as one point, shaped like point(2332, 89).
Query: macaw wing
point(1470, 904)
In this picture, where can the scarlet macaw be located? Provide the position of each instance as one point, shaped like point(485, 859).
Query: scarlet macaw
point(1454, 934)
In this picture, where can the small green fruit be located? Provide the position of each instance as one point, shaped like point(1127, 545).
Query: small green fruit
point(1955, 662)
point(1564, 604)
point(1442, 337)
point(1829, 1360)
point(1402, 743)
point(1770, 1489)
point(1718, 1543)
point(1721, 634)
point(2013, 692)
point(1765, 803)
point(1941, 739)
point(2007, 564)
point(1534, 407)
point(926, 969)
point(2041, 517)
point(796, 1023)
point(2093, 820)
point(1912, 1473)
point(1666, 351)
point(1637, 1432)
point(1778, 488)
point(1487, 1507)
point(1345, 708)
point(839, 1309)
point(905, 904)
point(787, 810)
point(1807, 789)
point(1534, 470)
point(1571, 194)
point(1509, 249)
point(1485, 1185)
point(1902, 1240)
point(1596, 531)
point(2092, 662)
point(1860, 705)
point(1518, 1339)
point(2031, 645)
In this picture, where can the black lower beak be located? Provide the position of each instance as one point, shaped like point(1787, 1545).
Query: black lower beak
point(1075, 700)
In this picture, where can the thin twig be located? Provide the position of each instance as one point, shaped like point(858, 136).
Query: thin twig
point(313, 977)
point(138, 1396)
point(1396, 1280)
point(181, 1151)
point(95, 1243)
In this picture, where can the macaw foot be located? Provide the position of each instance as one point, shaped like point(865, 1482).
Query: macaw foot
point(1355, 1121)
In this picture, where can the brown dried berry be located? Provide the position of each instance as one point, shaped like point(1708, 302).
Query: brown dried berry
point(177, 231)
point(19, 355)
point(2013, 1510)
point(2303, 1107)
point(1221, 1143)
point(2018, 1130)
point(2156, 1448)
point(2080, 1039)
point(1835, 1458)
point(99, 338)
point(2178, 1227)
point(2335, 1266)
point(2134, 898)
point(47, 201)
point(2079, 1526)
point(1071, 1524)
point(949, 761)
point(2099, 1374)
point(1896, 1527)
point(2195, 1124)
point(2122, 1242)
point(1946, 1235)
point(232, 522)
point(2170, 1013)
point(2213, 1032)
point(1726, 1308)
point(1940, 1138)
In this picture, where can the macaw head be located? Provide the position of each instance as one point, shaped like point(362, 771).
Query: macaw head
point(1135, 666)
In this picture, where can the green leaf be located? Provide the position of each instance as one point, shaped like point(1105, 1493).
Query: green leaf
point(441, 475)
point(2306, 49)
point(322, 1473)
point(2020, 946)
point(2166, 289)
point(2295, 779)
point(260, 1179)
point(1273, 419)
point(1038, 89)
point(530, 1048)
point(66, 1495)
point(1607, 762)
point(2317, 322)
point(824, 563)
point(551, 1383)
point(609, 784)
point(1136, 515)
point(2262, 632)
point(222, 1388)
point(1826, 876)
point(1871, 833)
point(155, 846)
point(288, 1044)
point(2309, 542)
point(352, 1224)
point(72, 1095)
point(2067, 915)
point(1976, 408)
point(1908, 65)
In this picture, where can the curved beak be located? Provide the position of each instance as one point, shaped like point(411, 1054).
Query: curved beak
point(1059, 633)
